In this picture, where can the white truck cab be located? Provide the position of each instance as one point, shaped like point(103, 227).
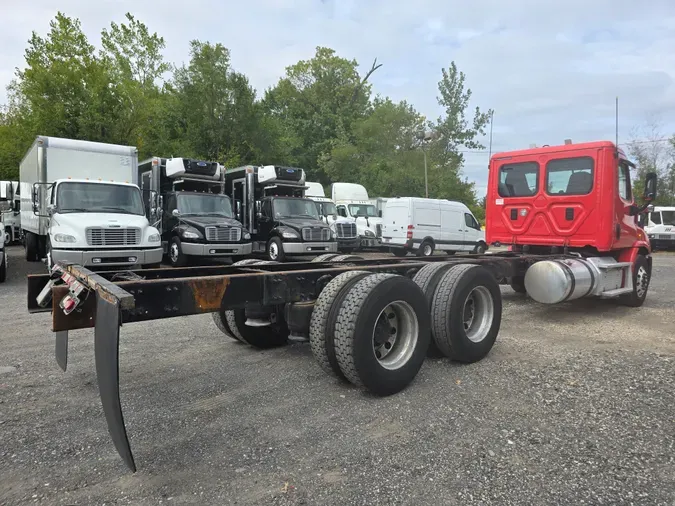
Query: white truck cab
point(424, 225)
point(660, 227)
point(80, 203)
point(343, 228)
point(352, 201)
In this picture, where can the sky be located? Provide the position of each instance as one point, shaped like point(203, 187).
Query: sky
point(551, 70)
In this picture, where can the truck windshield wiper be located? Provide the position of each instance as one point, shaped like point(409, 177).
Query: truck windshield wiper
point(118, 209)
point(74, 210)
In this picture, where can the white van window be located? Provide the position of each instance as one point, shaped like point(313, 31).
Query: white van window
point(471, 221)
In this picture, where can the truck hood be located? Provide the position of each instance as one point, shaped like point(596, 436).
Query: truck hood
point(81, 221)
point(209, 221)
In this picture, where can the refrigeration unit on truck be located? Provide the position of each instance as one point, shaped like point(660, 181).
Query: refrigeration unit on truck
point(352, 201)
point(185, 199)
point(659, 224)
point(10, 210)
point(80, 203)
point(270, 201)
point(423, 226)
point(568, 213)
point(344, 229)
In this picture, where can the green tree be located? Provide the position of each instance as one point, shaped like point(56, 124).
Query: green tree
point(651, 151)
point(316, 102)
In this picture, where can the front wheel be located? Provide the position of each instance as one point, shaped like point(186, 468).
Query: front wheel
point(176, 256)
point(275, 250)
point(641, 277)
point(480, 249)
point(31, 247)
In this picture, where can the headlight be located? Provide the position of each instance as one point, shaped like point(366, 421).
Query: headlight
point(289, 234)
point(64, 238)
point(154, 238)
point(192, 233)
point(247, 236)
point(370, 233)
point(651, 236)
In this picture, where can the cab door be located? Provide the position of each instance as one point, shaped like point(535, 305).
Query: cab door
point(625, 228)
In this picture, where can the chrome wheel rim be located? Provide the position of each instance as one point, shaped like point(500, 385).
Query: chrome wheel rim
point(395, 335)
point(174, 253)
point(428, 250)
point(641, 282)
point(478, 314)
point(274, 251)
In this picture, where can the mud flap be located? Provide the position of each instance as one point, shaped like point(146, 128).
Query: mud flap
point(61, 349)
point(106, 351)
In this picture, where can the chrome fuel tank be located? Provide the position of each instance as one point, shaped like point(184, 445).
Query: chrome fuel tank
point(554, 281)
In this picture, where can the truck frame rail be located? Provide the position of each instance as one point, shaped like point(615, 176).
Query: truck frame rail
point(79, 298)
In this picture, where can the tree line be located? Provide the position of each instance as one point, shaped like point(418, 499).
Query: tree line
point(322, 114)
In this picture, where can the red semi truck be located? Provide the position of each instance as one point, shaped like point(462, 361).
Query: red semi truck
point(567, 212)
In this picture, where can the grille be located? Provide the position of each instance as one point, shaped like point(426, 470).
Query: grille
point(346, 230)
point(315, 234)
point(223, 234)
point(378, 230)
point(113, 236)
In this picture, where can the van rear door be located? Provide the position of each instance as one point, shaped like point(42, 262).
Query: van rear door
point(396, 218)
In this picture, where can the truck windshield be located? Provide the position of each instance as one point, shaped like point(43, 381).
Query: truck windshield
point(98, 198)
point(363, 210)
point(294, 208)
point(668, 217)
point(326, 208)
point(204, 204)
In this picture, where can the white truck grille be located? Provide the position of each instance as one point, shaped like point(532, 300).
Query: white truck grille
point(346, 230)
point(223, 234)
point(315, 234)
point(113, 236)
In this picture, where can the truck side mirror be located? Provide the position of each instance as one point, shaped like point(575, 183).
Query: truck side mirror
point(650, 187)
point(175, 213)
point(51, 209)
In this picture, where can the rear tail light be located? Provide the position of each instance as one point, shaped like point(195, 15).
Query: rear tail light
point(410, 232)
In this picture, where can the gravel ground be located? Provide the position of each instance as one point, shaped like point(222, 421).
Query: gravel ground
point(574, 405)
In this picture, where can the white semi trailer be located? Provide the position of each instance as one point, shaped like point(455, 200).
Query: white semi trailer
point(80, 202)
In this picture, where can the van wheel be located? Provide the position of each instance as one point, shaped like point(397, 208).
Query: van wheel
point(399, 252)
point(176, 256)
point(426, 249)
point(275, 250)
point(480, 248)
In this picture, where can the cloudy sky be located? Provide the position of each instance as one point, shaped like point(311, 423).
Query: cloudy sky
point(550, 69)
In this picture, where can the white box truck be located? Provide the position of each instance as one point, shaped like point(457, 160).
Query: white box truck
point(343, 228)
point(352, 201)
point(80, 202)
point(424, 225)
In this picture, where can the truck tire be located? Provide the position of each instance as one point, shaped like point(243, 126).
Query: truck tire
point(275, 250)
point(345, 258)
point(517, 284)
point(382, 333)
point(32, 247)
point(641, 278)
point(325, 257)
point(271, 336)
point(426, 249)
point(176, 256)
point(480, 249)
point(399, 252)
point(427, 279)
point(324, 316)
point(246, 261)
point(220, 320)
point(466, 313)
point(3, 267)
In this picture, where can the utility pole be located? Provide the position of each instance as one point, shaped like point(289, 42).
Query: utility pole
point(426, 182)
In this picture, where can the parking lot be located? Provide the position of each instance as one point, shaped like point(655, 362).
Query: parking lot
point(574, 405)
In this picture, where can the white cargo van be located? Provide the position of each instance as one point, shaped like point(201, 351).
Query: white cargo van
point(424, 225)
point(660, 227)
point(352, 201)
point(80, 202)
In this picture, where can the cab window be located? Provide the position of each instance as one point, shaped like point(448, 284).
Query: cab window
point(471, 221)
point(624, 182)
point(569, 176)
point(655, 218)
point(518, 179)
point(342, 211)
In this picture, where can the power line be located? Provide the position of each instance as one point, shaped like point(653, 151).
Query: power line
point(626, 144)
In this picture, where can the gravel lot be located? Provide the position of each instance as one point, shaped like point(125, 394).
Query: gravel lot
point(574, 405)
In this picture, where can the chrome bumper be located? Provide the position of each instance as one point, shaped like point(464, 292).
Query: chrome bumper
point(309, 248)
point(108, 257)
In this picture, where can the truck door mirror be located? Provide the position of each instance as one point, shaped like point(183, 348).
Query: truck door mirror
point(650, 187)
point(51, 209)
point(379, 213)
point(175, 213)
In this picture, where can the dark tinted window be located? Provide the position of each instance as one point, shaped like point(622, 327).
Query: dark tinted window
point(656, 218)
point(624, 182)
point(569, 176)
point(519, 179)
point(471, 221)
